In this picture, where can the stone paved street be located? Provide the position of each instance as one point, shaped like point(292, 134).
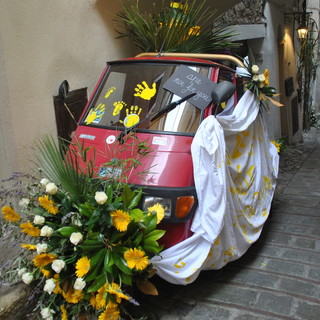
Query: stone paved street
point(279, 277)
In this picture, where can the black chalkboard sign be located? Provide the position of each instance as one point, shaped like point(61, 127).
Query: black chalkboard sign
point(185, 81)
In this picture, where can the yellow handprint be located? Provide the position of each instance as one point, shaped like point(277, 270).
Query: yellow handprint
point(132, 117)
point(145, 92)
point(95, 114)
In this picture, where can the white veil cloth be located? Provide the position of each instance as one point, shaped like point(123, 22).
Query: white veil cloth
point(235, 172)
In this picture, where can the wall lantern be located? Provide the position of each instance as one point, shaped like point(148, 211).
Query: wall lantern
point(302, 31)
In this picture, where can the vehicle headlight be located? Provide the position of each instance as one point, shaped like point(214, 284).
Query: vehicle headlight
point(150, 201)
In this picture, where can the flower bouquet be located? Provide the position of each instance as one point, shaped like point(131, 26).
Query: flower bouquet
point(89, 243)
point(257, 82)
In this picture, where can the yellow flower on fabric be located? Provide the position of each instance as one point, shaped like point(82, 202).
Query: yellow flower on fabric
point(48, 204)
point(73, 296)
point(41, 260)
point(120, 220)
point(30, 229)
point(277, 145)
point(136, 259)
point(10, 215)
point(158, 208)
point(64, 315)
point(111, 312)
point(29, 246)
point(100, 297)
point(115, 289)
point(82, 267)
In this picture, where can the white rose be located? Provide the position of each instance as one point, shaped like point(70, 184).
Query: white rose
point(51, 188)
point(22, 271)
point(255, 68)
point(39, 220)
point(27, 277)
point(76, 237)
point(100, 197)
point(255, 77)
point(46, 231)
point(44, 181)
point(49, 286)
point(79, 284)
point(262, 77)
point(57, 265)
point(24, 202)
point(41, 247)
point(46, 313)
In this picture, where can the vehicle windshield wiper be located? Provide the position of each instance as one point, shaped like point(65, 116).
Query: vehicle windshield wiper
point(155, 115)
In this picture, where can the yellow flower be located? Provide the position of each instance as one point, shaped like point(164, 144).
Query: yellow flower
point(82, 267)
point(29, 246)
point(100, 297)
point(266, 74)
point(64, 315)
point(10, 215)
point(57, 288)
point(72, 296)
point(45, 272)
point(115, 289)
point(120, 220)
point(48, 204)
point(111, 312)
point(41, 260)
point(136, 259)
point(158, 208)
point(29, 229)
point(93, 302)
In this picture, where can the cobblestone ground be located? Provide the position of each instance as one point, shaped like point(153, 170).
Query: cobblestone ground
point(279, 276)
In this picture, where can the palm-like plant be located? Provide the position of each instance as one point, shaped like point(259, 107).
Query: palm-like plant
point(182, 27)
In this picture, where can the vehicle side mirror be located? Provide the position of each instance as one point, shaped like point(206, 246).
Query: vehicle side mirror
point(223, 91)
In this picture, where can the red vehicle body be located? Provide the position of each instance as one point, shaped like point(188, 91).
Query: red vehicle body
point(129, 95)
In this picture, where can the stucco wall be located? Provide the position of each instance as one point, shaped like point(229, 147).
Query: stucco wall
point(43, 43)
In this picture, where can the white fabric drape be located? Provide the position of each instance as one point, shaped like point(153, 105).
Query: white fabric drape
point(235, 171)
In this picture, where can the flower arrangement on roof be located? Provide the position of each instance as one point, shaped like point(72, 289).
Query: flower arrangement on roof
point(257, 82)
point(87, 242)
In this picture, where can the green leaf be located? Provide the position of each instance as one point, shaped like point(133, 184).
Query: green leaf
point(86, 209)
point(151, 222)
point(126, 279)
point(96, 264)
point(109, 193)
point(67, 231)
point(155, 235)
point(98, 283)
point(135, 201)
point(121, 263)
point(127, 195)
point(137, 215)
point(138, 239)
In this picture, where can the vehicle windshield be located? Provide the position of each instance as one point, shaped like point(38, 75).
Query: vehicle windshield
point(131, 93)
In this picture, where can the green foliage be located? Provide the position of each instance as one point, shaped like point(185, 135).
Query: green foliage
point(187, 28)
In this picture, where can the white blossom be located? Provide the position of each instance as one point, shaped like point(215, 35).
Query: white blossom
point(27, 277)
point(76, 221)
point(262, 77)
point(24, 202)
point(44, 181)
point(46, 313)
point(41, 247)
point(39, 220)
point(255, 68)
point(22, 271)
point(76, 237)
point(51, 188)
point(57, 265)
point(49, 286)
point(100, 197)
point(46, 231)
point(255, 77)
point(79, 284)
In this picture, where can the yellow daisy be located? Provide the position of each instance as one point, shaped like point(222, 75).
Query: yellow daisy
point(45, 272)
point(266, 74)
point(82, 267)
point(29, 229)
point(136, 259)
point(159, 210)
point(115, 289)
point(111, 312)
point(64, 315)
point(48, 204)
point(72, 296)
point(120, 220)
point(29, 246)
point(41, 260)
point(10, 215)
point(100, 297)
point(57, 288)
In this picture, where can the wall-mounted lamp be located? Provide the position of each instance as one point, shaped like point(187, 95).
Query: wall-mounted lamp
point(302, 31)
